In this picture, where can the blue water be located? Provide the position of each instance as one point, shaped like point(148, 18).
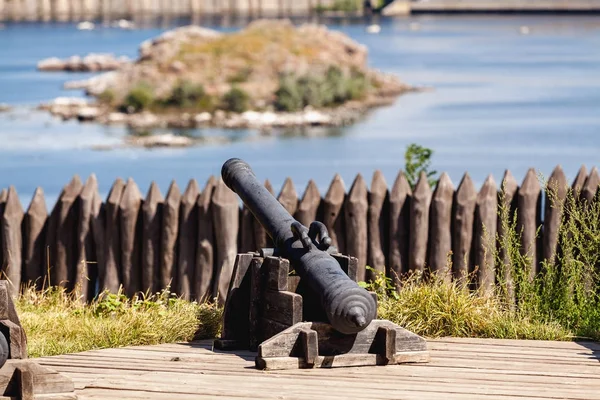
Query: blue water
point(500, 100)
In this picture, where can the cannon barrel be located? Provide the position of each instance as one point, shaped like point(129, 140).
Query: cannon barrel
point(348, 307)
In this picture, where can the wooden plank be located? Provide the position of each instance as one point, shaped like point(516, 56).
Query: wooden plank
point(277, 271)
point(12, 246)
point(152, 213)
point(3, 196)
point(308, 207)
point(377, 225)
point(61, 235)
point(463, 216)
point(590, 188)
point(170, 230)
point(188, 239)
point(109, 275)
point(333, 213)
point(225, 222)
point(34, 234)
point(86, 271)
point(529, 203)
point(484, 239)
point(355, 215)
point(130, 222)
point(556, 193)
point(400, 199)
point(288, 197)
point(419, 224)
point(246, 230)
point(282, 307)
point(440, 219)
point(206, 239)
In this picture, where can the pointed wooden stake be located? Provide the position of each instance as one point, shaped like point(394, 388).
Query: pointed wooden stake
point(188, 239)
point(205, 260)
point(440, 219)
point(462, 227)
point(170, 229)
point(130, 206)
point(377, 225)
point(591, 185)
point(86, 271)
point(484, 234)
point(529, 202)
point(556, 193)
point(109, 278)
point(309, 205)
point(400, 199)
point(333, 213)
point(419, 223)
point(288, 196)
point(151, 235)
point(355, 214)
point(579, 180)
point(12, 245)
point(34, 233)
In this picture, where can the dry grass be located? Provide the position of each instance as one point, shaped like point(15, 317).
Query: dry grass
point(58, 323)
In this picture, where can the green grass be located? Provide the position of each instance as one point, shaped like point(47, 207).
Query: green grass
point(58, 323)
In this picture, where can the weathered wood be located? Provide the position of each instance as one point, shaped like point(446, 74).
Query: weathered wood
point(484, 234)
point(556, 193)
point(288, 197)
point(206, 242)
point(225, 222)
point(12, 245)
point(507, 199)
point(440, 221)
point(419, 223)
point(333, 213)
point(308, 207)
point(3, 196)
point(277, 271)
point(400, 199)
point(170, 229)
point(188, 239)
point(591, 185)
point(260, 234)
point(129, 208)
point(310, 345)
point(86, 270)
point(282, 307)
point(26, 380)
point(385, 341)
point(377, 225)
point(109, 276)
point(34, 234)
point(529, 203)
point(98, 219)
point(579, 180)
point(462, 227)
point(246, 230)
point(355, 214)
point(62, 234)
point(151, 238)
point(256, 289)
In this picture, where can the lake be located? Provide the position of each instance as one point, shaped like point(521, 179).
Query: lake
point(501, 99)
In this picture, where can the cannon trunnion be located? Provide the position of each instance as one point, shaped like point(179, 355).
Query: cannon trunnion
point(299, 304)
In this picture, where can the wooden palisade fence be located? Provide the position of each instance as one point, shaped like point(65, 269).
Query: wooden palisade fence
point(189, 240)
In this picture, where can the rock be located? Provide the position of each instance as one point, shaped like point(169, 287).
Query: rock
point(124, 24)
point(51, 64)
point(86, 26)
point(94, 85)
point(166, 140)
point(88, 113)
point(143, 120)
point(177, 67)
point(5, 107)
point(203, 118)
point(116, 118)
point(91, 63)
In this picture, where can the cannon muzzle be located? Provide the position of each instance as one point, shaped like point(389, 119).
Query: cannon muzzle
point(349, 308)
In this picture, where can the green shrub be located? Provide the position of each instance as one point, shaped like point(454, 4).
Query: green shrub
point(240, 76)
point(332, 89)
point(418, 159)
point(139, 98)
point(107, 97)
point(187, 94)
point(289, 96)
point(236, 100)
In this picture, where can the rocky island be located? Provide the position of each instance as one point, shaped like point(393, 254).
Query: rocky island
point(270, 74)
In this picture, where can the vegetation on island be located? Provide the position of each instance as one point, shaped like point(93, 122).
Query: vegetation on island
point(270, 65)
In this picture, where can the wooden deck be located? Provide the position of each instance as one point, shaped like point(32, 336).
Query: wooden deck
point(459, 369)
